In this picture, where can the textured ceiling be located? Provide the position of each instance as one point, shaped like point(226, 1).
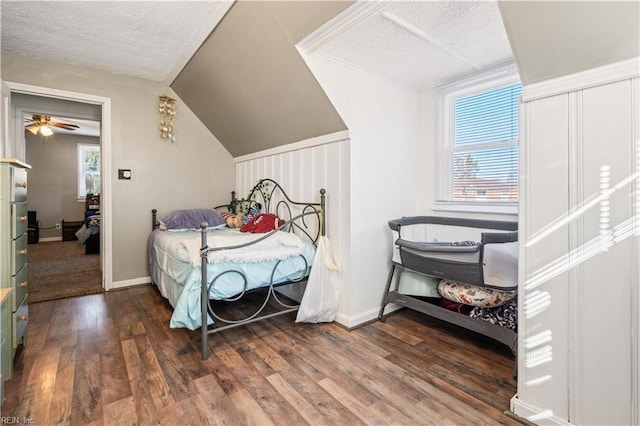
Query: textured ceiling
point(251, 89)
point(421, 43)
point(151, 40)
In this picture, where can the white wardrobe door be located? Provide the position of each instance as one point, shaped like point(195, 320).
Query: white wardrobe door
point(543, 291)
point(603, 253)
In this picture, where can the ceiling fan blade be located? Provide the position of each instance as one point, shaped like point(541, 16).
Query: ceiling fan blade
point(66, 126)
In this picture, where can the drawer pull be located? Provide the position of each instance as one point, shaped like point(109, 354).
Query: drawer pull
point(23, 318)
point(23, 218)
point(21, 185)
point(23, 251)
point(23, 284)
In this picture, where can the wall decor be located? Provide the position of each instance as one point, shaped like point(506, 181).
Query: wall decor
point(167, 109)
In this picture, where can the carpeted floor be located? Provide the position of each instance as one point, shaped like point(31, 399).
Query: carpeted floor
point(60, 269)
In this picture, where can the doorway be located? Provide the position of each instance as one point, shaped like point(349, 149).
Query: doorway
point(103, 106)
point(64, 191)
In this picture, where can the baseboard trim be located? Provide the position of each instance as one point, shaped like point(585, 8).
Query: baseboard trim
point(364, 317)
point(49, 239)
point(534, 414)
point(129, 283)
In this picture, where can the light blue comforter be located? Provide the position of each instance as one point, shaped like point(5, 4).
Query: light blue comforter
point(179, 280)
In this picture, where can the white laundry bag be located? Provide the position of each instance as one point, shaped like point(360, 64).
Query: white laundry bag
point(320, 299)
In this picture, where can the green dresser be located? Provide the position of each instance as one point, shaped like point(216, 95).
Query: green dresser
point(5, 339)
point(14, 265)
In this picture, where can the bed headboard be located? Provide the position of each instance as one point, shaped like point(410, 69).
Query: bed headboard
point(308, 218)
point(274, 199)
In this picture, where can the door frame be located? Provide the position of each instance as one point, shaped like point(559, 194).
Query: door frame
point(106, 242)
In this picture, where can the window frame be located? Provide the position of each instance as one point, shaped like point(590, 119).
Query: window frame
point(448, 93)
point(81, 148)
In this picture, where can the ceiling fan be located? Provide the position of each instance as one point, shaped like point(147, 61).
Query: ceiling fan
point(43, 123)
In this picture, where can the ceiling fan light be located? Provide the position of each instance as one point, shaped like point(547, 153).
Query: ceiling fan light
point(33, 129)
point(45, 131)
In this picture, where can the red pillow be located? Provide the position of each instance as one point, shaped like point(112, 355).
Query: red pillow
point(262, 223)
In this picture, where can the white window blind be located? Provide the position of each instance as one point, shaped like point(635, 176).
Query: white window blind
point(479, 152)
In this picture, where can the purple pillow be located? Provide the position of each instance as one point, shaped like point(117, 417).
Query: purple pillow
point(191, 219)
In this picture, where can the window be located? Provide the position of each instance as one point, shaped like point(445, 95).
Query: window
point(479, 142)
point(88, 170)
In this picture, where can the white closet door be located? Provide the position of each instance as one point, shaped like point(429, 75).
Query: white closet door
point(543, 293)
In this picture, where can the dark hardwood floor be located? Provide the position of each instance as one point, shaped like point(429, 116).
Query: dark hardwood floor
point(112, 359)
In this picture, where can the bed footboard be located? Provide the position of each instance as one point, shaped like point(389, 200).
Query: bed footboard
point(307, 219)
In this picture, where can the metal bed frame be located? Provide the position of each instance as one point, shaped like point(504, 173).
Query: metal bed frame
point(273, 199)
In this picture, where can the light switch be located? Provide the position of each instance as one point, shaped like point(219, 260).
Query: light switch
point(124, 174)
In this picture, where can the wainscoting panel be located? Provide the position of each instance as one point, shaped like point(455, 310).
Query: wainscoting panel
point(604, 276)
point(543, 294)
point(579, 350)
point(302, 169)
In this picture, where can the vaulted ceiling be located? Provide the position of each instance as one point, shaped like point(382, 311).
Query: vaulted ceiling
point(235, 64)
point(248, 83)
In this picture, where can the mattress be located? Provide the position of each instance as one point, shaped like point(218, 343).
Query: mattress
point(176, 271)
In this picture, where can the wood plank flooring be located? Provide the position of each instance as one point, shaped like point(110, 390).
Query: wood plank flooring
point(112, 359)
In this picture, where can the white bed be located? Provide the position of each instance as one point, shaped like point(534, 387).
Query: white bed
point(192, 264)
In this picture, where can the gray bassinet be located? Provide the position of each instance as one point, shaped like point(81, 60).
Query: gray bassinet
point(491, 260)
point(476, 252)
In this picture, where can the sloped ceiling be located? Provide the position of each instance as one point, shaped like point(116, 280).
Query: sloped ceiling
point(249, 85)
point(555, 38)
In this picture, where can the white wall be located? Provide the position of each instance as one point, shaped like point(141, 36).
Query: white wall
point(195, 171)
point(53, 179)
point(427, 149)
point(388, 156)
point(376, 175)
point(5, 108)
point(393, 170)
